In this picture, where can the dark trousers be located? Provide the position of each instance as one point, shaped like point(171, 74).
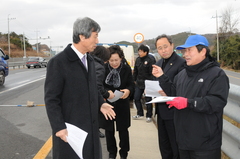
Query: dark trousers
point(123, 143)
point(137, 100)
point(209, 154)
point(167, 139)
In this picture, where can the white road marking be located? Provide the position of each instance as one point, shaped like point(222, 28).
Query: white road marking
point(23, 82)
point(22, 85)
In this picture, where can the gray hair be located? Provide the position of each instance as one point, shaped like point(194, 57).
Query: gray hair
point(84, 26)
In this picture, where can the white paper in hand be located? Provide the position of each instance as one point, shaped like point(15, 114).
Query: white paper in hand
point(161, 99)
point(118, 94)
point(76, 138)
point(152, 88)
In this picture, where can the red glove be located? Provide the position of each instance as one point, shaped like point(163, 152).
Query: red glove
point(178, 102)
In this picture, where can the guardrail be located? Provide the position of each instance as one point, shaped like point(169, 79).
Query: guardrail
point(19, 62)
point(231, 130)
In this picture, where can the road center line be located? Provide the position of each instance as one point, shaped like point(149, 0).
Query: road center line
point(23, 81)
point(233, 76)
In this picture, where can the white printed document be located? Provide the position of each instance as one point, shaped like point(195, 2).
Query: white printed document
point(118, 94)
point(161, 99)
point(152, 88)
point(76, 138)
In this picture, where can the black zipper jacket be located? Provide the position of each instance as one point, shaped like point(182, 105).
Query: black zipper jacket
point(143, 70)
point(206, 86)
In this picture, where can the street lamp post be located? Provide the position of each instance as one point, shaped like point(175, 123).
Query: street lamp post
point(9, 53)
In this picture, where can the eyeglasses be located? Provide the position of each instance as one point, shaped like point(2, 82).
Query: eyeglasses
point(164, 47)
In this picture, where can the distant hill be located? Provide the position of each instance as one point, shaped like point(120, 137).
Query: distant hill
point(16, 47)
point(178, 39)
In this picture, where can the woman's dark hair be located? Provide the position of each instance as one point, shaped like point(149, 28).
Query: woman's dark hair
point(116, 49)
point(102, 53)
point(144, 48)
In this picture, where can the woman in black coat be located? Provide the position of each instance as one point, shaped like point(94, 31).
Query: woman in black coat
point(118, 77)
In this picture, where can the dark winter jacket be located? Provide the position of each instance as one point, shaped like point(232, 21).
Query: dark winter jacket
point(206, 86)
point(143, 70)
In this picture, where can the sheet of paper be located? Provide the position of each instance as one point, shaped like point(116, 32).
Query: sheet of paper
point(161, 99)
point(76, 138)
point(152, 88)
point(117, 94)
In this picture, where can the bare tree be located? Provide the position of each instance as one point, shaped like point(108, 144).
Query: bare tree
point(229, 22)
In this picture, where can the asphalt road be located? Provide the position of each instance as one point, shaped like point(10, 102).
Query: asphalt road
point(24, 130)
point(234, 77)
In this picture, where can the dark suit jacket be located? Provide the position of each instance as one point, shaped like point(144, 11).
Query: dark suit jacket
point(174, 65)
point(71, 95)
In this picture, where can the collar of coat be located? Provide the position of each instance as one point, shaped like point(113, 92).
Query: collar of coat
point(72, 56)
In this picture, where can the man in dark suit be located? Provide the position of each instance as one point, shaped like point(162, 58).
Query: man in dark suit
point(171, 64)
point(71, 93)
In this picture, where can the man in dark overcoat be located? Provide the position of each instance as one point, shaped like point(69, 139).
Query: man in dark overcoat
point(71, 93)
point(171, 64)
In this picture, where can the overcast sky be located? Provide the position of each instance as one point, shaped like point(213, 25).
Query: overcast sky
point(120, 20)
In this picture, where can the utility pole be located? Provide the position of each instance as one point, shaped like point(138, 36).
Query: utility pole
point(190, 32)
point(9, 53)
point(217, 35)
point(37, 40)
point(24, 47)
point(40, 38)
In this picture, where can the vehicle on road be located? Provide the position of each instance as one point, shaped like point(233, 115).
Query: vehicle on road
point(3, 66)
point(36, 62)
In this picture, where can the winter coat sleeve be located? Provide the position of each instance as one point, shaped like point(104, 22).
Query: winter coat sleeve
point(53, 88)
point(100, 73)
point(167, 85)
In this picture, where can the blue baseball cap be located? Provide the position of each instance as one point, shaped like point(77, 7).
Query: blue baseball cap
point(193, 40)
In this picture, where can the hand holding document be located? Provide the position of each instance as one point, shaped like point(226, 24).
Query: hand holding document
point(118, 94)
point(161, 99)
point(76, 138)
point(152, 88)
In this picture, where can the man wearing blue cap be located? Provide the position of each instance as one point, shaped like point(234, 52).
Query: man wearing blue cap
point(201, 91)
